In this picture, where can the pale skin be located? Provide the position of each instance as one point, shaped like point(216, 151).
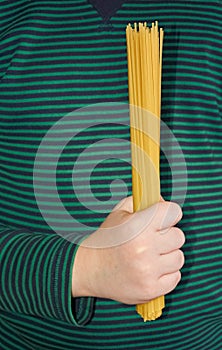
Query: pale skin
point(144, 264)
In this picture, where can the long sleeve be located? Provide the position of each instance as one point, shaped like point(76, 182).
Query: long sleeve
point(60, 56)
point(36, 275)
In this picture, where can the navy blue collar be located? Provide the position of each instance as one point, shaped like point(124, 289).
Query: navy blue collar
point(106, 8)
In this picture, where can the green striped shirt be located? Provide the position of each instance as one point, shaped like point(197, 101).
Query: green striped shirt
point(65, 162)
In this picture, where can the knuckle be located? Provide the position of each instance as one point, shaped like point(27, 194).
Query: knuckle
point(180, 236)
point(176, 279)
point(181, 259)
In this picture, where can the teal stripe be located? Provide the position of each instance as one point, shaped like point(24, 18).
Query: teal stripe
point(190, 107)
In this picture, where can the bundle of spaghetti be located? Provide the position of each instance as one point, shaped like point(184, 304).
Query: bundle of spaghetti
point(144, 55)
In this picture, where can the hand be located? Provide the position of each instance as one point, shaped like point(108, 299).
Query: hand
point(142, 258)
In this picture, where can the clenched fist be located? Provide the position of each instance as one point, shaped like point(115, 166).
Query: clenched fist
point(132, 257)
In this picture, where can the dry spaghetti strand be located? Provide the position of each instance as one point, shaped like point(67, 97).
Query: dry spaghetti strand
point(144, 54)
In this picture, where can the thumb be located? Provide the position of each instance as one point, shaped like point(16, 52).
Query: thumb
point(126, 204)
point(167, 215)
point(159, 216)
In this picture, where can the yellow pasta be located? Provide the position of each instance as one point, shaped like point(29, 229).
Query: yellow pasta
point(144, 55)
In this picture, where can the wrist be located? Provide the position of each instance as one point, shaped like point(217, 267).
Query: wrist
point(83, 273)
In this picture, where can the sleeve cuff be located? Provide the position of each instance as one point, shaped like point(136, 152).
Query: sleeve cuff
point(77, 311)
point(36, 277)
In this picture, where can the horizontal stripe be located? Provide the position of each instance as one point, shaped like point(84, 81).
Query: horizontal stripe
point(60, 56)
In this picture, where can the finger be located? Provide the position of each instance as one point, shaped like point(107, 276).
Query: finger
point(169, 240)
point(167, 283)
point(171, 263)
